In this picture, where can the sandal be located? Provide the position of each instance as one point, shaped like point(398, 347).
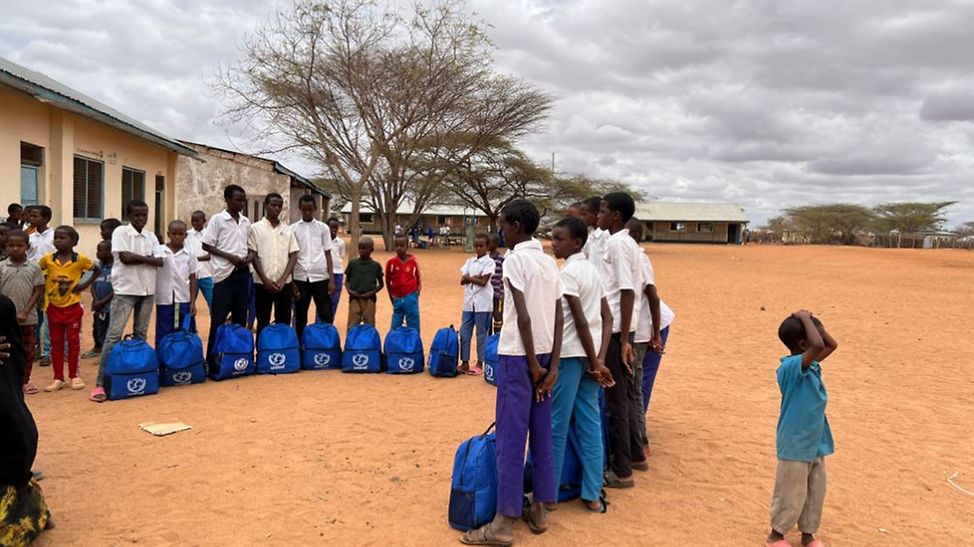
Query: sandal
point(602, 508)
point(475, 371)
point(779, 543)
point(98, 395)
point(483, 536)
point(30, 389)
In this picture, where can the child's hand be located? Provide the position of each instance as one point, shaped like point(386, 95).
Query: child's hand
point(547, 385)
point(601, 374)
point(192, 309)
point(537, 371)
point(22, 316)
point(627, 355)
point(801, 313)
point(657, 343)
point(296, 292)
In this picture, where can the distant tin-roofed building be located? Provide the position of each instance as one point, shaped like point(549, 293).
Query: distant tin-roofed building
point(692, 222)
point(454, 217)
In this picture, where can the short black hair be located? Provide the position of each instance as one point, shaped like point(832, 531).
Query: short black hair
point(133, 204)
point(592, 204)
point(792, 332)
point(335, 219)
point(197, 212)
point(272, 195)
point(307, 198)
point(45, 211)
point(105, 242)
point(14, 207)
point(176, 223)
point(72, 233)
point(576, 228)
point(19, 233)
point(483, 236)
point(232, 189)
point(524, 213)
point(621, 203)
point(635, 227)
point(111, 223)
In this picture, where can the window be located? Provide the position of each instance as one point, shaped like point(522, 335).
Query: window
point(31, 160)
point(441, 219)
point(678, 226)
point(365, 218)
point(31, 154)
point(705, 226)
point(89, 179)
point(133, 187)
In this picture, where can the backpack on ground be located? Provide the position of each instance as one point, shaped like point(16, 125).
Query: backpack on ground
point(321, 347)
point(404, 351)
point(363, 349)
point(278, 351)
point(132, 370)
point(491, 359)
point(473, 487)
point(233, 352)
point(570, 484)
point(445, 352)
point(181, 358)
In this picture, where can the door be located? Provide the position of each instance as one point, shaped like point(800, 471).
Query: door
point(733, 231)
point(28, 185)
point(159, 203)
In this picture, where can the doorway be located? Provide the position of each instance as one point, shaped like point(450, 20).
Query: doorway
point(733, 233)
point(160, 200)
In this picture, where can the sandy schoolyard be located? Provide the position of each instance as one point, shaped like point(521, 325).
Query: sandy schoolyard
point(327, 457)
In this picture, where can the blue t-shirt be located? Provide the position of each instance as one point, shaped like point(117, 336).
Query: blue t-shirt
point(803, 429)
point(103, 283)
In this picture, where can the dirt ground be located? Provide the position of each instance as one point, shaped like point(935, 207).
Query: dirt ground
point(326, 457)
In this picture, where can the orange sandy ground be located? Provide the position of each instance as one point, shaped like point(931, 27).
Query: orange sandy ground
point(366, 459)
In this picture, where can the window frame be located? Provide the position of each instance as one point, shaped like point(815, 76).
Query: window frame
point(676, 226)
point(101, 198)
point(133, 196)
point(709, 227)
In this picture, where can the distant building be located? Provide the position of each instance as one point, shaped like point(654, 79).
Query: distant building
point(692, 222)
point(456, 217)
point(79, 156)
point(200, 184)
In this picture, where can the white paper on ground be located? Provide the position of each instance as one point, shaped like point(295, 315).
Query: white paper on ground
point(163, 429)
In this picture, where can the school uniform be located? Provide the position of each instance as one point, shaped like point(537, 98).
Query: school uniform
point(576, 393)
point(311, 274)
point(40, 244)
point(273, 245)
point(134, 286)
point(362, 276)
point(595, 244)
point(402, 279)
point(644, 335)
point(518, 414)
point(620, 270)
point(337, 272)
point(204, 275)
point(478, 306)
point(230, 283)
point(17, 282)
point(172, 291)
point(100, 318)
point(64, 311)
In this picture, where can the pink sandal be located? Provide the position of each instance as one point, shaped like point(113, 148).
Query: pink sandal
point(816, 543)
point(98, 395)
point(30, 389)
point(779, 543)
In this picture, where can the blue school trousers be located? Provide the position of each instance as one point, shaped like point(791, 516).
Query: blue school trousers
point(576, 396)
point(469, 320)
point(336, 297)
point(650, 368)
point(406, 308)
point(520, 418)
point(168, 321)
point(205, 286)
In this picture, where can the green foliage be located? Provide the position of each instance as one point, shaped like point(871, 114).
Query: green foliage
point(911, 217)
point(837, 222)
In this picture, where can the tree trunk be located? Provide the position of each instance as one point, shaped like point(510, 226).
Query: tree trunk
point(354, 230)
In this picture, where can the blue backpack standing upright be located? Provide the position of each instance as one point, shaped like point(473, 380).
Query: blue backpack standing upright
point(473, 487)
point(321, 347)
point(491, 359)
point(132, 370)
point(233, 352)
point(404, 351)
point(445, 352)
point(570, 483)
point(363, 350)
point(278, 351)
point(181, 357)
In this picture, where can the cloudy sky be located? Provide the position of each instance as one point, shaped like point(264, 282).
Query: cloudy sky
point(767, 103)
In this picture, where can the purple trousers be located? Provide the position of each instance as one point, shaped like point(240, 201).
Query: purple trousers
point(518, 414)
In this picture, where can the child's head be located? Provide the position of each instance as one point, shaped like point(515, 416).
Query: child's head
point(104, 252)
point(635, 227)
point(16, 244)
point(308, 207)
point(589, 211)
point(493, 242)
point(365, 248)
point(108, 227)
point(4, 230)
point(198, 220)
point(616, 210)
point(176, 232)
point(480, 244)
point(401, 244)
point(568, 237)
point(792, 334)
point(519, 219)
point(138, 212)
point(334, 225)
point(14, 212)
point(40, 216)
point(273, 205)
point(235, 197)
point(65, 238)
point(574, 210)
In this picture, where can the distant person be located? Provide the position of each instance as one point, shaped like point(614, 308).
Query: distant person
point(107, 227)
point(41, 243)
point(194, 242)
point(803, 437)
point(497, 281)
point(589, 213)
point(478, 304)
point(398, 230)
point(4, 230)
point(176, 284)
point(338, 264)
point(22, 281)
point(274, 254)
point(315, 266)
point(363, 280)
point(404, 285)
point(431, 235)
point(15, 217)
point(101, 298)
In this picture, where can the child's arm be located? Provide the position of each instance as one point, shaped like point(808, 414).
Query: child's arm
point(192, 294)
point(231, 258)
point(31, 306)
point(419, 281)
point(830, 344)
point(627, 301)
point(479, 280)
point(254, 260)
point(292, 260)
point(606, 328)
point(81, 287)
point(331, 272)
point(657, 341)
point(376, 290)
point(815, 343)
point(527, 337)
point(597, 368)
point(548, 385)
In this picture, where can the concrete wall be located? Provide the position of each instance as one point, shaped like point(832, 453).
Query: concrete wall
point(661, 232)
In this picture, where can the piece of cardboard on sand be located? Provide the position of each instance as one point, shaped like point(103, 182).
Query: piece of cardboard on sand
point(163, 429)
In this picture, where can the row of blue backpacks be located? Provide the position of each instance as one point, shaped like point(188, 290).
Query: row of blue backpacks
point(134, 368)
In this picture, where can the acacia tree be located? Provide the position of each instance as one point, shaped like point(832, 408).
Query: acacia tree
point(912, 217)
point(822, 223)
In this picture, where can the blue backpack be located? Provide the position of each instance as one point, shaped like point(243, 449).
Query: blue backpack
point(491, 359)
point(322, 347)
point(404, 351)
point(473, 488)
point(132, 370)
point(278, 351)
point(181, 358)
point(570, 485)
point(363, 350)
point(233, 352)
point(445, 352)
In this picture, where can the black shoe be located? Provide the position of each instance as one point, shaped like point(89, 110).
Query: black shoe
point(641, 466)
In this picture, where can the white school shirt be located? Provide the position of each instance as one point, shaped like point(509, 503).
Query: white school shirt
point(134, 279)
point(338, 255)
point(579, 278)
point(40, 245)
point(172, 280)
point(475, 297)
point(194, 242)
point(228, 235)
point(620, 270)
point(273, 247)
point(595, 244)
point(644, 327)
point(535, 274)
point(314, 240)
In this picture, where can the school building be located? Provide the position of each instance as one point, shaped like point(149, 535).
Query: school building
point(200, 182)
point(455, 217)
point(84, 159)
point(692, 222)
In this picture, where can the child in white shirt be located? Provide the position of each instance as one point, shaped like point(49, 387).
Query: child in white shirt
point(176, 283)
point(478, 303)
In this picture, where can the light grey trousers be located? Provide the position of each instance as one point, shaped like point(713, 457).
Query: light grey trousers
point(799, 494)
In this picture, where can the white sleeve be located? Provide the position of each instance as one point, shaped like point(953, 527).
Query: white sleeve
point(513, 273)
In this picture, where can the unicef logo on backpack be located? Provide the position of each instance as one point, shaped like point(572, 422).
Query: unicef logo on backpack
point(406, 364)
point(182, 377)
point(322, 359)
point(240, 365)
point(136, 386)
point(489, 372)
point(360, 361)
point(276, 360)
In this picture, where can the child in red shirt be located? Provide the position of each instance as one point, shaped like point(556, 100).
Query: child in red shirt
point(402, 277)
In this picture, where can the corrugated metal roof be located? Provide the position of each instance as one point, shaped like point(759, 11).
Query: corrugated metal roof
point(51, 91)
point(700, 212)
point(406, 208)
